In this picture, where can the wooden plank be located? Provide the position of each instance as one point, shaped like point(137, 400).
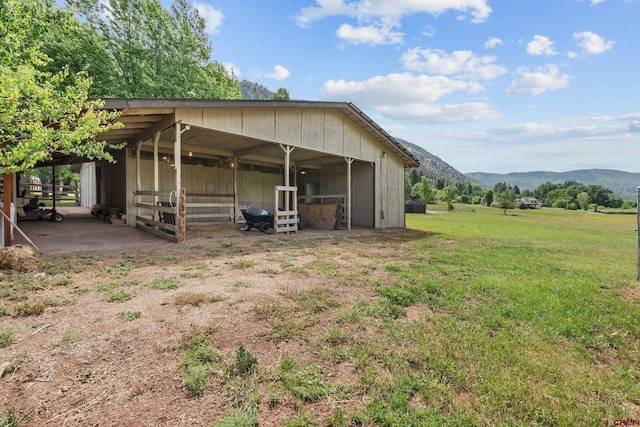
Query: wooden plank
point(210, 205)
point(155, 232)
point(182, 217)
point(165, 209)
point(152, 193)
point(163, 225)
point(208, 215)
point(209, 195)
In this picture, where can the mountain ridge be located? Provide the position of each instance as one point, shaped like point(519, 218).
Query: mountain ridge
point(623, 184)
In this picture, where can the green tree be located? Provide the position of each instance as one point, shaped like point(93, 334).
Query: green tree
point(506, 200)
point(488, 197)
point(407, 186)
point(600, 196)
point(149, 51)
point(448, 194)
point(42, 112)
point(414, 175)
point(584, 200)
point(281, 95)
point(426, 192)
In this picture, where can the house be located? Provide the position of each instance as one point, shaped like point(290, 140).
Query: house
point(528, 202)
point(203, 160)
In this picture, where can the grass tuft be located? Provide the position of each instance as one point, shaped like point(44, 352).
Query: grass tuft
point(165, 283)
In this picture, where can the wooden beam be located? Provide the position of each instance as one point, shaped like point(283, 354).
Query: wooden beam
point(8, 198)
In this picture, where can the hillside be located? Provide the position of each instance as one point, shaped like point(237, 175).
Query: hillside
point(623, 184)
point(433, 167)
point(251, 90)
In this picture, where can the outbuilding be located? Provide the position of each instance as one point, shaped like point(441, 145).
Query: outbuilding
point(204, 160)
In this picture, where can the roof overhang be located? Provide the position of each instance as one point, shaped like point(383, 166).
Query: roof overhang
point(144, 117)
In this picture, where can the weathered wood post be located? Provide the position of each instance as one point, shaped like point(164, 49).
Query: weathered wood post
point(181, 234)
point(7, 196)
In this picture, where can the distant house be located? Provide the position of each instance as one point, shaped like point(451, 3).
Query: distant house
point(528, 202)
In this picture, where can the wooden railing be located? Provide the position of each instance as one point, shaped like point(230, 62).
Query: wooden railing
point(45, 192)
point(207, 208)
point(162, 217)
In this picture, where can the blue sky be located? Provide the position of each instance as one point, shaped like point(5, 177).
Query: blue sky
point(492, 86)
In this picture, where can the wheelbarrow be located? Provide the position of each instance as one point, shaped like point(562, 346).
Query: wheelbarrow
point(257, 218)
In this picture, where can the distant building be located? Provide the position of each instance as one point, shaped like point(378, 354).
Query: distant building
point(529, 202)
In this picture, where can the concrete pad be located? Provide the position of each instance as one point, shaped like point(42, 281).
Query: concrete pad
point(82, 232)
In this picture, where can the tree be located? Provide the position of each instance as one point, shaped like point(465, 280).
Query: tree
point(414, 175)
point(449, 193)
point(584, 200)
point(426, 192)
point(488, 197)
point(42, 112)
point(506, 200)
point(599, 195)
point(149, 51)
point(281, 95)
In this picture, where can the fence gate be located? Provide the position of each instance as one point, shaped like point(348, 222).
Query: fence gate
point(286, 220)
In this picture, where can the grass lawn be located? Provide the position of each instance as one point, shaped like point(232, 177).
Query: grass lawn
point(536, 316)
point(467, 318)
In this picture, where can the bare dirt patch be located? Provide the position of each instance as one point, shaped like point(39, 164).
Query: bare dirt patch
point(107, 348)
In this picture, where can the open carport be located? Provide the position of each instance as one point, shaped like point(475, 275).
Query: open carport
point(202, 161)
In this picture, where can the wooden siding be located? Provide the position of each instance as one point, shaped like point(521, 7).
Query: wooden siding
point(318, 129)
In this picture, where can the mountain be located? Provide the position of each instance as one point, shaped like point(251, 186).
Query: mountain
point(251, 90)
point(433, 167)
point(623, 184)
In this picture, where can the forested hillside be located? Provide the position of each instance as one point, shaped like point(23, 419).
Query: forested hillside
point(433, 167)
point(623, 184)
point(251, 90)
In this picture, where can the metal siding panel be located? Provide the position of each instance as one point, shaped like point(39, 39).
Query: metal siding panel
point(192, 116)
point(313, 129)
point(225, 119)
point(334, 132)
point(289, 125)
point(259, 123)
point(367, 147)
point(393, 198)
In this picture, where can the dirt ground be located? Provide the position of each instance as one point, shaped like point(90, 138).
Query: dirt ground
point(80, 363)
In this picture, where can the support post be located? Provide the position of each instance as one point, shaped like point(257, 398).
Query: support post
point(235, 190)
point(6, 207)
point(287, 161)
point(156, 170)
point(181, 234)
point(138, 179)
point(349, 161)
point(295, 170)
point(638, 232)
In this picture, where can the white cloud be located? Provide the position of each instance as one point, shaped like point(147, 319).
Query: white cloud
point(429, 31)
point(541, 80)
point(395, 89)
point(408, 97)
point(372, 35)
point(541, 45)
point(591, 43)
point(390, 9)
point(462, 63)
point(279, 73)
point(212, 17)
point(445, 113)
point(492, 42)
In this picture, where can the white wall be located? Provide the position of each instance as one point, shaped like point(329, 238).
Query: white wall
point(88, 195)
